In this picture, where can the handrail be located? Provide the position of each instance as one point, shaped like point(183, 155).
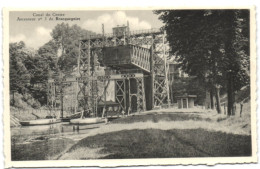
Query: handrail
point(131, 33)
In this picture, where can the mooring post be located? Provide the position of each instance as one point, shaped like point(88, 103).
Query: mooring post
point(225, 108)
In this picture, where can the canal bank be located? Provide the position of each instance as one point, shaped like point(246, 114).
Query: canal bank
point(61, 142)
point(192, 134)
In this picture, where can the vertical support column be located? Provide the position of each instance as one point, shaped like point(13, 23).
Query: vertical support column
point(130, 98)
point(115, 90)
point(84, 72)
point(120, 93)
point(171, 80)
point(152, 71)
point(143, 94)
point(61, 99)
point(51, 96)
point(141, 103)
point(76, 100)
point(105, 94)
point(87, 82)
point(124, 93)
point(94, 95)
point(89, 57)
point(138, 95)
point(77, 83)
point(166, 70)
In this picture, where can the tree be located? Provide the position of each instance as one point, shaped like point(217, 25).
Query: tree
point(19, 75)
point(23, 73)
point(212, 45)
point(49, 54)
point(66, 39)
point(30, 70)
point(236, 49)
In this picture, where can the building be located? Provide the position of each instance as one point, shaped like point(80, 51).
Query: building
point(186, 101)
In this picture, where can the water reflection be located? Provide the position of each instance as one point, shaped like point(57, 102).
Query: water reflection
point(44, 142)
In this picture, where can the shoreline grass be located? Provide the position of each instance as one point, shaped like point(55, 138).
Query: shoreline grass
point(156, 143)
point(167, 135)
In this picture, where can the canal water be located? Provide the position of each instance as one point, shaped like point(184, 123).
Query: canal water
point(45, 142)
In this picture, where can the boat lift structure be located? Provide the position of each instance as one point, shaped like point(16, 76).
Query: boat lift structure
point(136, 61)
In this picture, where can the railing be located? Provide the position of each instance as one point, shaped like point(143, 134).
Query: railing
point(146, 31)
point(141, 57)
point(131, 33)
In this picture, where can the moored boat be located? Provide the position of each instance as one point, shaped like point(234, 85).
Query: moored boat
point(39, 122)
point(86, 121)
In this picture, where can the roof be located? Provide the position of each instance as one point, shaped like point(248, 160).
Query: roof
point(186, 96)
point(107, 103)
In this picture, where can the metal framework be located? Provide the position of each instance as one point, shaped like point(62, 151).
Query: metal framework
point(141, 105)
point(150, 53)
point(57, 90)
point(120, 89)
point(51, 101)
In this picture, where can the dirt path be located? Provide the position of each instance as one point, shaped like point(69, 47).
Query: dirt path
point(162, 125)
point(179, 139)
point(211, 123)
point(156, 143)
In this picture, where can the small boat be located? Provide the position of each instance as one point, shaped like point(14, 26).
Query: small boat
point(87, 121)
point(39, 122)
point(66, 119)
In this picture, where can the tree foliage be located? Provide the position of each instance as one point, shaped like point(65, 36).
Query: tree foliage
point(212, 45)
point(66, 38)
point(19, 75)
point(30, 69)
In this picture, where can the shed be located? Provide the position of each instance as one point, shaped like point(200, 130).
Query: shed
point(186, 101)
point(112, 108)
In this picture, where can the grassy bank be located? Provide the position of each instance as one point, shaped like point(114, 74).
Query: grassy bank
point(155, 143)
point(161, 117)
point(165, 134)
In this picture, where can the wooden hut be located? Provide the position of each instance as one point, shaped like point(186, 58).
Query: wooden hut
point(186, 101)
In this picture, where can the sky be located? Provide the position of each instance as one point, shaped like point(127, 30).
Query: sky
point(35, 32)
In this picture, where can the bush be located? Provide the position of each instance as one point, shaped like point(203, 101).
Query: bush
point(24, 101)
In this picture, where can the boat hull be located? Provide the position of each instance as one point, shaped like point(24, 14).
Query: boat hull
point(39, 122)
point(87, 121)
point(65, 120)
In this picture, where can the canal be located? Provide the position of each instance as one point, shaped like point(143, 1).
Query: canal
point(46, 142)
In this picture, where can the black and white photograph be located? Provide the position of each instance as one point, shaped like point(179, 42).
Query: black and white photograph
point(130, 84)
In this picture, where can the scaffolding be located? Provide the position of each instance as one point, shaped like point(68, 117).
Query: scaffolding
point(138, 61)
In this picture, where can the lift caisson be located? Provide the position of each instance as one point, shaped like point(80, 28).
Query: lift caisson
point(137, 63)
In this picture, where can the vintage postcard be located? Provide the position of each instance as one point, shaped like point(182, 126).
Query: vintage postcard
point(129, 86)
